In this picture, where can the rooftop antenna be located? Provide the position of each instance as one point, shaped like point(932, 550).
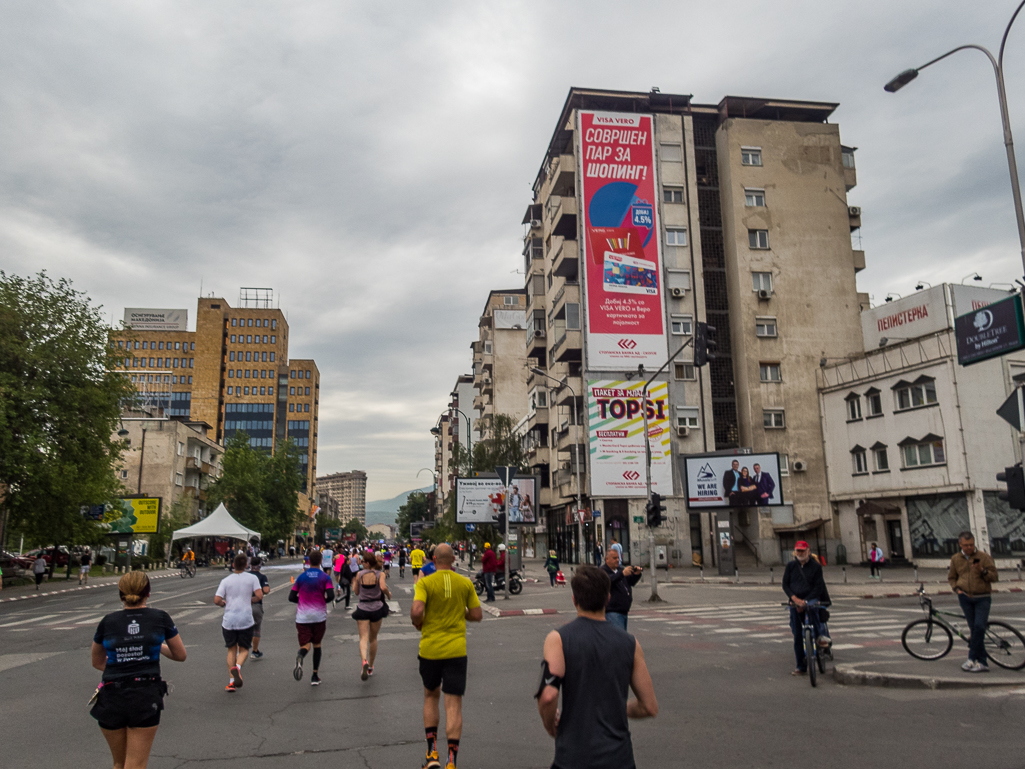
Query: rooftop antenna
point(200, 286)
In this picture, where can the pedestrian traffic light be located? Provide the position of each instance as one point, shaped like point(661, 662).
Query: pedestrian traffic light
point(704, 344)
point(1014, 477)
point(655, 510)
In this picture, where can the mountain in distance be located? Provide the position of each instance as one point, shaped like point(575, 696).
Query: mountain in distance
point(387, 510)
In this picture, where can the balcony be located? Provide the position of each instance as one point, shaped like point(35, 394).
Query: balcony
point(191, 463)
point(533, 246)
point(566, 263)
point(562, 175)
point(567, 347)
point(536, 342)
point(562, 217)
point(570, 291)
point(192, 492)
point(570, 436)
point(859, 261)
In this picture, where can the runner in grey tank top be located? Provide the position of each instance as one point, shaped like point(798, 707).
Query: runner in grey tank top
point(596, 665)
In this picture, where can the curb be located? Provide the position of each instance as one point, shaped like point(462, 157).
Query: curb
point(914, 593)
point(79, 588)
point(851, 676)
point(517, 612)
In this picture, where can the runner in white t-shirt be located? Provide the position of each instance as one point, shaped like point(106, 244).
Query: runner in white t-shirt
point(237, 593)
point(327, 559)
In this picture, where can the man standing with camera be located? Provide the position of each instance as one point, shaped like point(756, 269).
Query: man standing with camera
point(971, 575)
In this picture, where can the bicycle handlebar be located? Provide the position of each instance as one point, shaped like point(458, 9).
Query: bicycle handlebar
point(814, 603)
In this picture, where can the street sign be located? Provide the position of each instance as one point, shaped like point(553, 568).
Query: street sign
point(505, 474)
point(989, 331)
point(638, 519)
point(1012, 410)
point(471, 527)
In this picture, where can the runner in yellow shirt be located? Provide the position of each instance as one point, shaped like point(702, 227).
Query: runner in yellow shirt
point(443, 602)
point(416, 562)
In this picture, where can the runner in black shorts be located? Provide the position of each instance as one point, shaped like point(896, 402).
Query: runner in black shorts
point(371, 609)
point(311, 592)
point(127, 648)
point(237, 593)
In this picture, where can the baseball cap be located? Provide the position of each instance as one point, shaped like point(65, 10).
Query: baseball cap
point(801, 545)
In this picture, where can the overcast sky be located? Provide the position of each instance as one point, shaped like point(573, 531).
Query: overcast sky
point(371, 162)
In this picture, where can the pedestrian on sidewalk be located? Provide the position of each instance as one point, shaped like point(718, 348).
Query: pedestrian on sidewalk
point(126, 648)
point(39, 569)
point(254, 567)
point(84, 565)
point(621, 582)
point(489, 565)
point(311, 593)
point(237, 593)
point(371, 609)
point(552, 566)
point(875, 561)
point(595, 664)
point(971, 575)
point(443, 603)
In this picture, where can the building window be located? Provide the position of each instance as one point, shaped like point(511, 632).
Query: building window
point(924, 453)
point(306, 407)
point(769, 372)
point(853, 408)
point(875, 403)
point(687, 416)
point(234, 321)
point(755, 198)
point(270, 390)
point(190, 380)
point(192, 345)
point(672, 195)
point(230, 390)
point(765, 327)
point(750, 156)
point(681, 325)
point(882, 462)
point(921, 392)
point(272, 357)
point(758, 239)
point(292, 374)
point(263, 391)
point(510, 300)
point(273, 324)
point(231, 355)
point(179, 479)
point(848, 157)
point(860, 460)
point(572, 316)
point(291, 391)
point(487, 347)
point(773, 419)
point(684, 372)
point(307, 390)
point(676, 236)
point(145, 345)
point(761, 281)
point(784, 464)
point(291, 407)
point(672, 153)
point(181, 449)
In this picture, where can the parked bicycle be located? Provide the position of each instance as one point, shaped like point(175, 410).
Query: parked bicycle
point(932, 637)
point(816, 656)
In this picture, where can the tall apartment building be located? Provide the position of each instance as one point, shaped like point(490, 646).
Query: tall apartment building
point(233, 373)
point(462, 399)
point(458, 425)
point(753, 229)
point(350, 490)
point(445, 467)
point(499, 362)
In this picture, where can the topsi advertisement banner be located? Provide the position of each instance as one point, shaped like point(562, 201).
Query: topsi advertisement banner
point(616, 435)
point(623, 265)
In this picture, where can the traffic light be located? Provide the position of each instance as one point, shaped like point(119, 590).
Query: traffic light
point(704, 344)
point(1014, 477)
point(655, 510)
point(501, 522)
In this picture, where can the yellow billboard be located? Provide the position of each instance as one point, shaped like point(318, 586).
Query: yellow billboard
point(133, 516)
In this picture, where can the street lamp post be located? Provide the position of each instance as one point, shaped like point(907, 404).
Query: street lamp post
point(576, 457)
point(908, 75)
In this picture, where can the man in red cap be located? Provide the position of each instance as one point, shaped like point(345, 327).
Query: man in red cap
point(803, 582)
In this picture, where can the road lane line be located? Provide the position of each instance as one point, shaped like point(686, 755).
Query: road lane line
point(31, 619)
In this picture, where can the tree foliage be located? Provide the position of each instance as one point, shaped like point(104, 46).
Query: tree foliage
point(416, 508)
point(355, 526)
point(260, 490)
point(60, 401)
point(500, 447)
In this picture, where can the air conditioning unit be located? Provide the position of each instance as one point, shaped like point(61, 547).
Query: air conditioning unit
point(538, 333)
point(799, 466)
point(854, 210)
point(764, 293)
point(535, 222)
point(682, 430)
point(678, 293)
point(486, 380)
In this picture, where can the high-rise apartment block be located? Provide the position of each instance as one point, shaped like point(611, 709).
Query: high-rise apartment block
point(232, 373)
point(499, 362)
point(350, 490)
point(650, 214)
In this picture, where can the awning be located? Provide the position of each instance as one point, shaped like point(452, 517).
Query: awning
point(218, 524)
point(805, 526)
point(876, 508)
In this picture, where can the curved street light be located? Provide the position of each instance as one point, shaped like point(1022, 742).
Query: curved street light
point(908, 75)
point(434, 475)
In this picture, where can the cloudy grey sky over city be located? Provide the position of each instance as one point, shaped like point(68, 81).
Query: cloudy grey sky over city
point(371, 162)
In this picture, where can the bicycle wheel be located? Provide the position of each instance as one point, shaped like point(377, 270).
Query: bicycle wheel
point(182, 572)
point(820, 657)
point(810, 656)
point(1005, 646)
point(927, 639)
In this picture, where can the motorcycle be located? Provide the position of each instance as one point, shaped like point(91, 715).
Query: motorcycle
point(515, 582)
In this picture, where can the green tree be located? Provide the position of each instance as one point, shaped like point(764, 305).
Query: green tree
point(355, 526)
point(416, 508)
point(500, 446)
point(178, 516)
point(60, 401)
point(282, 480)
point(240, 487)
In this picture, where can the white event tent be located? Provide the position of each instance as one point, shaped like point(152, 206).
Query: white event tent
point(218, 524)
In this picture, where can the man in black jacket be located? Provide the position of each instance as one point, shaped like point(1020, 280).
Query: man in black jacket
point(621, 595)
point(803, 582)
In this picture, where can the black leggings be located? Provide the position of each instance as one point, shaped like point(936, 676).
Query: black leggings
point(551, 578)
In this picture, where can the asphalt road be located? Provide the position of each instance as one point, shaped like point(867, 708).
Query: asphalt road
point(720, 657)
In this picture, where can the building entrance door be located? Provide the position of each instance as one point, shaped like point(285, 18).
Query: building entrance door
point(617, 526)
point(893, 528)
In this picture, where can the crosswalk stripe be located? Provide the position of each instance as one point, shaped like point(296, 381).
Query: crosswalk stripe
point(30, 619)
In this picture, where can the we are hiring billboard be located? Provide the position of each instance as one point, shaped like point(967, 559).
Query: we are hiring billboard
point(480, 500)
point(732, 480)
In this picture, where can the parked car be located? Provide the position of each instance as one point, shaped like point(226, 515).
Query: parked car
point(14, 563)
point(62, 555)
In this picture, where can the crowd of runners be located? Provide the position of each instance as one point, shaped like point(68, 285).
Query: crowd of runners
point(589, 662)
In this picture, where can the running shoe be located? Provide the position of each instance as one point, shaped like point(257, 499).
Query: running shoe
point(967, 665)
point(297, 674)
point(314, 680)
point(432, 762)
point(365, 674)
point(799, 672)
point(229, 688)
point(979, 667)
point(256, 655)
point(236, 676)
point(370, 670)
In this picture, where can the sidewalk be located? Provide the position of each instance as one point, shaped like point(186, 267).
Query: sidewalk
point(59, 585)
point(910, 673)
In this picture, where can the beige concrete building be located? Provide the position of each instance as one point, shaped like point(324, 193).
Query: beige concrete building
point(232, 373)
point(445, 467)
point(755, 233)
point(350, 491)
point(499, 359)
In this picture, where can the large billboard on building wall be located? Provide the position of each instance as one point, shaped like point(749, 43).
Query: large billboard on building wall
point(615, 424)
point(622, 248)
point(146, 319)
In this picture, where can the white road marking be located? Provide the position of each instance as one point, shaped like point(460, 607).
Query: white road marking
point(30, 619)
point(8, 661)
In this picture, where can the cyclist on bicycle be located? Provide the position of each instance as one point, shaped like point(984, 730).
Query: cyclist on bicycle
point(803, 582)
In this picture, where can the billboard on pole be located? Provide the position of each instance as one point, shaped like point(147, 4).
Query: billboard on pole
point(133, 515)
point(622, 248)
point(615, 425)
point(480, 500)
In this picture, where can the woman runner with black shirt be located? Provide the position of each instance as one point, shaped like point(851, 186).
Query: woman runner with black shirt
point(127, 648)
